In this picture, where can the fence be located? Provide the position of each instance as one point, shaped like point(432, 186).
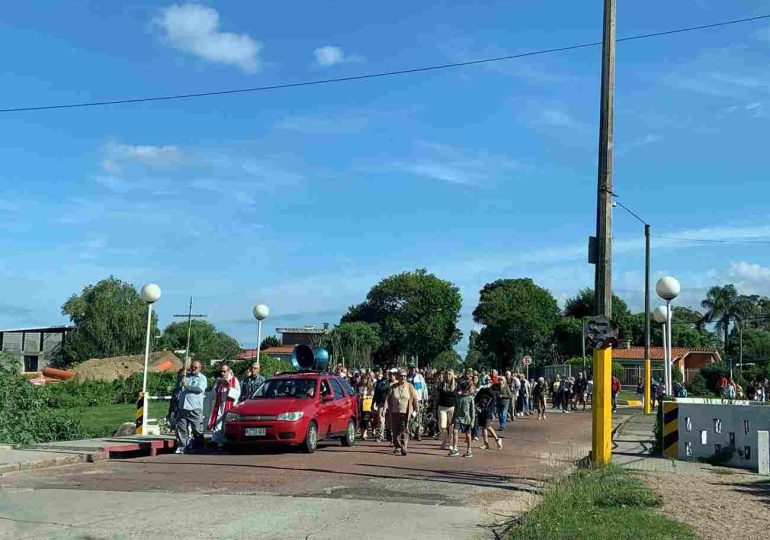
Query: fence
point(630, 377)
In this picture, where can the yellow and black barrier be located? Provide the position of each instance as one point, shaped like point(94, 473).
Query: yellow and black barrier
point(670, 429)
point(139, 414)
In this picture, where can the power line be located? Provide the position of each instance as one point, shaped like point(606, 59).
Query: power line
point(374, 75)
point(713, 241)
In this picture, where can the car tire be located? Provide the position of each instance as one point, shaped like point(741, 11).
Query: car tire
point(350, 434)
point(311, 438)
point(234, 448)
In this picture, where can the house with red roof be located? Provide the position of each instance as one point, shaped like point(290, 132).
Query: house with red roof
point(686, 359)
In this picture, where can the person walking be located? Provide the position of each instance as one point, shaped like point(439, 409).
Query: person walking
point(381, 389)
point(401, 404)
point(486, 398)
point(581, 388)
point(189, 416)
point(504, 398)
point(226, 391)
point(447, 395)
point(615, 391)
point(539, 392)
point(464, 418)
point(416, 379)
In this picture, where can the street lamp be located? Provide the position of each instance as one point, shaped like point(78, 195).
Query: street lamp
point(150, 293)
point(661, 316)
point(668, 288)
point(260, 311)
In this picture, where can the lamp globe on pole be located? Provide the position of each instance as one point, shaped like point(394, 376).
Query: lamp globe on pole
point(668, 288)
point(150, 293)
point(660, 314)
point(260, 311)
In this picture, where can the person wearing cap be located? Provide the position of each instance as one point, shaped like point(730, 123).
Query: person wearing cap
point(416, 379)
point(401, 405)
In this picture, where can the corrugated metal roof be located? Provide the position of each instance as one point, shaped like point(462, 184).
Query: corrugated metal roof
point(38, 329)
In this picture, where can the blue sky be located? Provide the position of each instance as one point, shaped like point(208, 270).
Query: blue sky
point(304, 198)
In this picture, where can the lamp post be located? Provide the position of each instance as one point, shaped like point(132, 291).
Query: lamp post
point(668, 288)
point(661, 317)
point(260, 311)
point(150, 293)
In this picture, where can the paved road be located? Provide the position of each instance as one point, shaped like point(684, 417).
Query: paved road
point(335, 493)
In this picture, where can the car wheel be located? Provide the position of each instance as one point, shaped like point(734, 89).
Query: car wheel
point(350, 434)
point(311, 438)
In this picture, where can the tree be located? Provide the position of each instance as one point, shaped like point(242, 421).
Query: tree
point(756, 347)
point(270, 341)
point(723, 307)
point(9, 364)
point(353, 343)
point(206, 343)
point(110, 319)
point(686, 331)
point(417, 315)
point(446, 360)
point(517, 315)
point(568, 336)
point(584, 305)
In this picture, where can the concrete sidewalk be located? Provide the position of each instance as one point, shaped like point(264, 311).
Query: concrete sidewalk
point(55, 454)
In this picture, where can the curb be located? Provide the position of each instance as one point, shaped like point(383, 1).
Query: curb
point(72, 459)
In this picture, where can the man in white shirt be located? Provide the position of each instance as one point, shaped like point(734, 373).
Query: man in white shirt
point(418, 381)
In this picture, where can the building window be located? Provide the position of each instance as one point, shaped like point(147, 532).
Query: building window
point(717, 425)
point(704, 437)
point(688, 423)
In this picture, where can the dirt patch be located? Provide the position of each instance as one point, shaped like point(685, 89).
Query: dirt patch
point(109, 369)
point(717, 506)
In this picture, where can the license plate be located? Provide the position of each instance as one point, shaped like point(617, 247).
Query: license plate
point(256, 432)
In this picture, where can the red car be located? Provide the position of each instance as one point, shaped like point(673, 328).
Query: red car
point(295, 409)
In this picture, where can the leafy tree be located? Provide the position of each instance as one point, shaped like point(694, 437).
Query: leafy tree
point(568, 336)
point(206, 343)
point(270, 341)
point(417, 315)
point(446, 360)
point(517, 315)
point(353, 343)
point(9, 364)
point(110, 319)
point(684, 333)
point(584, 305)
point(474, 359)
point(756, 346)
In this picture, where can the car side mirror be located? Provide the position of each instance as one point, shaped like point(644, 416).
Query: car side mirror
point(327, 397)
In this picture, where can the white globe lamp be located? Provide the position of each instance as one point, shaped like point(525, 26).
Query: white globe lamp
point(261, 311)
point(660, 314)
point(150, 293)
point(668, 288)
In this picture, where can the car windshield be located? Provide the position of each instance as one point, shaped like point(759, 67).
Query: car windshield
point(286, 388)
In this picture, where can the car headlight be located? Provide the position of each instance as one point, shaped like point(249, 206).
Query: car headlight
point(290, 416)
point(232, 417)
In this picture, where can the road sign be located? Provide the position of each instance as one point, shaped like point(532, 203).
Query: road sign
point(527, 360)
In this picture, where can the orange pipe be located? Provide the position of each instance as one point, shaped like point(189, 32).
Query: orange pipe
point(61, 374)
point(165, 365)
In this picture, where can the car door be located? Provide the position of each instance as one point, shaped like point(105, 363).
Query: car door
point(326, 409)
point(340, 408)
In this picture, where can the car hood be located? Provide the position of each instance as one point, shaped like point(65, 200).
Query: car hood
point(272, 406)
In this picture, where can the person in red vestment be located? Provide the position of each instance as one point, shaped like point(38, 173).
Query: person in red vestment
point(226, 391)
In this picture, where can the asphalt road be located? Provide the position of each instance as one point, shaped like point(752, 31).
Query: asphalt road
point(362, 491)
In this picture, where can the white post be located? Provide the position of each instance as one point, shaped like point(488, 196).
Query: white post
point(763, 452)
point(670, 348)
point(259, 338)
point(145, 412)
point(666, 372)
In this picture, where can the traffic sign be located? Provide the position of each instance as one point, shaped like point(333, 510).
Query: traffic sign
point(527, 360)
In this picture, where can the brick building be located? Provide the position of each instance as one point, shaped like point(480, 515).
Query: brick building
point(35, 348)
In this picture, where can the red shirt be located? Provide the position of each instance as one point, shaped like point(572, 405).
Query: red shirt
point(615, 385)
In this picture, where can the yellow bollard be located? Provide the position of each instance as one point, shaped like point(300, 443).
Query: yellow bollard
point(601, 407)
point(647, 386)
point(139, 415)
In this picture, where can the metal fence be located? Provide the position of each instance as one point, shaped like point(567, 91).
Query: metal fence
point(631, 375)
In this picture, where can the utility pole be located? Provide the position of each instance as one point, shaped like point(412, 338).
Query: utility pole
point(190, 316)
point(583, 342)
point(647, 361)
point(601, 407)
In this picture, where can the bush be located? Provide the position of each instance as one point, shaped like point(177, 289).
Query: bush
point(268, 365)
point(66, 395)
point(711, 373)
point(9, 364)
point(697, 387)
point(25, 417)
point(618, 370)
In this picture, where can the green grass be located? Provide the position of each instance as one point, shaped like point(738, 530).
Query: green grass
point(103, 421)
point(607, 503)
point(625, 395)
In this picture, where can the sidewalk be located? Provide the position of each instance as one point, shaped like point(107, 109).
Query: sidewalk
point(55, 454)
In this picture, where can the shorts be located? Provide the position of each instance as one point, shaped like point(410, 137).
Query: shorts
point(464, 428)
point(445, 417)
point(484, 420)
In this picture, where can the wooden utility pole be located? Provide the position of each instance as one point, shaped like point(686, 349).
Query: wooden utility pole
point(647, 361)
point(189, 317)
point(601, 406)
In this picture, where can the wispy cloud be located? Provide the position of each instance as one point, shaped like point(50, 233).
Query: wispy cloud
point(331, 55)
point(115, 155)
point(195, 29)
point(558, 118)
point(346, 123)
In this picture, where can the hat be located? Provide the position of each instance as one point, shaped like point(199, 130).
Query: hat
point(393, 370)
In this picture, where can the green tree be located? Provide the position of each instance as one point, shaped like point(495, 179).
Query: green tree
point(686, 331)
point(353, 343)
point(723, 307)
point(417, 315)
point(584, 305)
point(206, 342)
point(9, 364)
point(568, 336)
point(270, 341)
point(518, 316)
point(110, 319)
point(446, 360)
point(756, 347)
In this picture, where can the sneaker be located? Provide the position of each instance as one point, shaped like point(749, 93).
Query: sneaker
point(543, 417)
point(179, 451)
point(475, 438)
point(499, 444)
point(396, 452)
point(453, 452)
point(468, 454)
point(484, 446)
point(403, 451)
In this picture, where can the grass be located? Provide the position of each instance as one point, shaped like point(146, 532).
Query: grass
point(626, 395)
point(606, 503)
point(103, 421)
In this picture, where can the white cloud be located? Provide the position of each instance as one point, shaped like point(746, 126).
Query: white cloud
point(194, 29)
point(115, 155)
point(558, 118)
point(330, 55)
point(749, 278)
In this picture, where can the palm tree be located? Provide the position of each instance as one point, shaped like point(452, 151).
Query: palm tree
point(723, 306)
